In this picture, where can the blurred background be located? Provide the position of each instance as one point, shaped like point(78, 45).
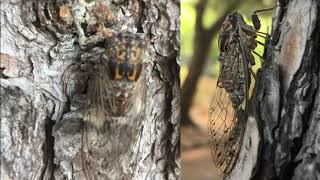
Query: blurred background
point(200, 25)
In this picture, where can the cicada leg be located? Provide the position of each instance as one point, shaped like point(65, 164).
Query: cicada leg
point(271, 48)
point(253, 74)
point(258, 55)
point(255, 19)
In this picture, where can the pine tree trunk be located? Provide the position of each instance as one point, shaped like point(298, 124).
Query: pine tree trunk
point(47, 49)
point(285, 104)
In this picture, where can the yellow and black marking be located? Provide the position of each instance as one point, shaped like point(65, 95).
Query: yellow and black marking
point(125, 54)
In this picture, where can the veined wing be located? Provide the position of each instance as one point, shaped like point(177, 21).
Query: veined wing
point(227, 110)
point(97, 100)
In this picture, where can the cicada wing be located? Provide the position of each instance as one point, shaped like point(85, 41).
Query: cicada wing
point(96, 105)
point(226, 128)
point(94, 117)
point(227, 115)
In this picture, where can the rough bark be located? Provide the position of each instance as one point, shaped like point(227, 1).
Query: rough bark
point(202, 43)
point(46, 56)
point(285, 102)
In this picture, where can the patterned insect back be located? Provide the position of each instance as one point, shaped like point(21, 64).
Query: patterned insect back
point(114, 87)
point(115, 107)
point(124, 57)
point(227, 113)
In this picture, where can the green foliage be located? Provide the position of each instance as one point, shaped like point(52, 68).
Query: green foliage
point(188, 15)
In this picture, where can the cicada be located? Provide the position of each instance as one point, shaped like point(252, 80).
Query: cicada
point(113, 89)
point(228, 108)
point(114, 107)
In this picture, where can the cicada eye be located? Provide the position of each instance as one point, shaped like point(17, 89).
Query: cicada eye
point(232, 18)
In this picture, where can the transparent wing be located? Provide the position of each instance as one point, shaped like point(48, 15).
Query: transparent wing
point(226, 128)
point(97, 99)
point(227, 121)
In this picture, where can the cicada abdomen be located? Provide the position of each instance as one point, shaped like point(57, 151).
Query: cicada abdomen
point(227, 114)
point(114, 89)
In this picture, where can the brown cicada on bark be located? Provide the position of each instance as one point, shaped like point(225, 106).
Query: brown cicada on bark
point(114, 87)
point(114, 106)
point(228, 108)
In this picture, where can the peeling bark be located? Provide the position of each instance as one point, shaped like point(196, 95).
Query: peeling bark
point(47, 53)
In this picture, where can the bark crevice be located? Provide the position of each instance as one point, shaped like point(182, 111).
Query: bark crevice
point(48, 151)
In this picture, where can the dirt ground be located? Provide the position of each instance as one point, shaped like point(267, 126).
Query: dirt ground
point(196, 160)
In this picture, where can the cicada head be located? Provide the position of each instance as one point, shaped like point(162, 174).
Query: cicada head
point(124, 56)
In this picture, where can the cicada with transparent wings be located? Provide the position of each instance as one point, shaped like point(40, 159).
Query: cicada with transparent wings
point(227, 113)
point(114, 86)
point(115, 104)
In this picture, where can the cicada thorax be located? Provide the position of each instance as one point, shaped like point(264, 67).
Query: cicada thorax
point(124, 59)
point(116, 85)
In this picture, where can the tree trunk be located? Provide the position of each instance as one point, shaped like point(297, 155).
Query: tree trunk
point(47, 52)
point(285, 103)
